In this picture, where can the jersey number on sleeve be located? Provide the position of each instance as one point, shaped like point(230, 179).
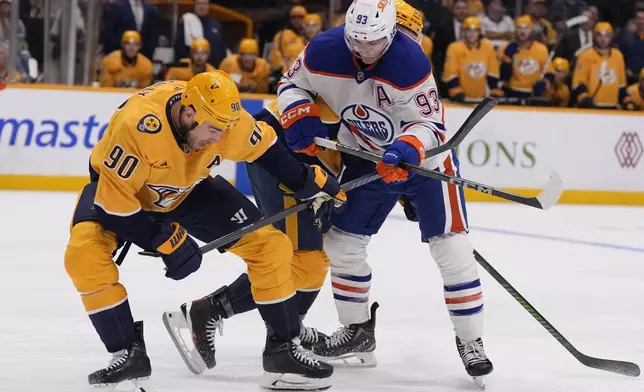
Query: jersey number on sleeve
point(256, 136)
point(428, 103)
point(125, 167)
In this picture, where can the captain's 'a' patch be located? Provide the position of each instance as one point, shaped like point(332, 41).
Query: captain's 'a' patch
point(149, 124)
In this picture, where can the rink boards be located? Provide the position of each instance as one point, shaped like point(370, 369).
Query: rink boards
point(47, 132)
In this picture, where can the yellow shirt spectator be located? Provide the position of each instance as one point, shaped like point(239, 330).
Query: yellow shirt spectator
point(127, 67)
point(249, 71)
point(197, 63)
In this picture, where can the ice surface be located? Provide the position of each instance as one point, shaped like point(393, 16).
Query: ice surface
point(582, 267)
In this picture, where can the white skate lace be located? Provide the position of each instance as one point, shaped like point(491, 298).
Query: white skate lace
point(341, 336)
point(309, 334)
point(302, 355)
point(473, 352)
point(212, 327)
point(118, 358)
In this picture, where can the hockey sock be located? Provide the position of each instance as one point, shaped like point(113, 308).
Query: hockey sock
point(115, 327)
point(306, 299)
point(282, 318)
point(240, 296)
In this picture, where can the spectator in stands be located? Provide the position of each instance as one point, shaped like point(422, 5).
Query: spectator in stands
point(522, 62)
point(4, 68)
point(460, 11)
point(632, 47)
point(475, 8)
point(426, 42)
point(197, 63)
point(537, 11)
point(124, 15)
point(287, 36)
point(200, 25)
point(562, 10)
point(497, 26)
point(471, 66)
point(127, 67)
point(635, 95)
point(311, 26)
point(249, 71)
point(599, 80)
point(557, 90)
point(5, 27)
point(577, 40)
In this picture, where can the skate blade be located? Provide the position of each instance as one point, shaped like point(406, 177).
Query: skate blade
point(134, 385)
point(479, 381)
point(352, 360)
point(175, 323)
point(293, 382)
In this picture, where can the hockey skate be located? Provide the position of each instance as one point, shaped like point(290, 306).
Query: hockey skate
point(476, 363)
point(351, 346)
point(128, 366)
point(198, 322)
point(310, 336)
point(288, 367)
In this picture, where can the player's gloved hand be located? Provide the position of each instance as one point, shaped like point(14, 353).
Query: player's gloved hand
point(509, 52)
point(405, 149)
point(325, 192)
point(587, 103)
point(459, 97)
point(539, 88)
point(301, 124)
point(408, 208)
point(179, 251)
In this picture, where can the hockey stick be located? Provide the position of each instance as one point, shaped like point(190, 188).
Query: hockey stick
point(477, 114)
point(572, 22)
point(546, 199)
point(609, 365)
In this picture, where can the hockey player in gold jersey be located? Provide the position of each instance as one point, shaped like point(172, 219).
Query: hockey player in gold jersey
point(634, 99)
point(557, 90)
point(522, 61)
point(410, 21)
point(197, 63)
point(151, 185)
point(127, 67)
point(249, 71)
point(471, 66)
point(599, 80)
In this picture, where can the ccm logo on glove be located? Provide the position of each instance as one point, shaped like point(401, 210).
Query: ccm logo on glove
point(292, 115)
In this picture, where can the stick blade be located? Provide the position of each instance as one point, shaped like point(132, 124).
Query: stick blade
point(620, 367)
point(552, 191)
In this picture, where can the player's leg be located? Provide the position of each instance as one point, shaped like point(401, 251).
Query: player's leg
point(88, 261)
point(442, 217)
point(268, 254)
point(346, 245)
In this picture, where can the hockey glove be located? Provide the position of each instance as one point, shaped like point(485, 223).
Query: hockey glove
point(301, 124)
point(325, 192)
point(179, 251)
point(587, 103)
point(539, 88)
point(405, 149)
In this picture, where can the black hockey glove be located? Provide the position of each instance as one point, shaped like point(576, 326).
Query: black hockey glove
point(179, 251)
point(410, 211)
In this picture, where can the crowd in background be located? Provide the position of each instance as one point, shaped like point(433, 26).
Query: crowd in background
point(568, 53)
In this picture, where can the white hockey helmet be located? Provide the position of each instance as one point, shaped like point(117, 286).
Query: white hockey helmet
point(370, 27)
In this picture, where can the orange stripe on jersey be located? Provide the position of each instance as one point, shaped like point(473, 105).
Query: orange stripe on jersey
point(458, 225)
point(350, 288)
point(462, 300)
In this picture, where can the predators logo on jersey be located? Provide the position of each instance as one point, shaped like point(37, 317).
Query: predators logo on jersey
point(467, 69)
point(527, 64)
point(117, 71)
point(167, 195)
point(149, 124)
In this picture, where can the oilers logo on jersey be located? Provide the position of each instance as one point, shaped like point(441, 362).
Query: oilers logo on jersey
point(369, 122)
point(527, 66)
point(167, 195)
point(477, 70)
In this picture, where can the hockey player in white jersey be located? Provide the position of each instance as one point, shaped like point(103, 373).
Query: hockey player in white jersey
point(381, 85)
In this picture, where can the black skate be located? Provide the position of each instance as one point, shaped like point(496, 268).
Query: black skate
point(130, 364)
point(202, 319)
point(287, 366)
point(351, 346)
point(476, 362)
point(310, 336)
